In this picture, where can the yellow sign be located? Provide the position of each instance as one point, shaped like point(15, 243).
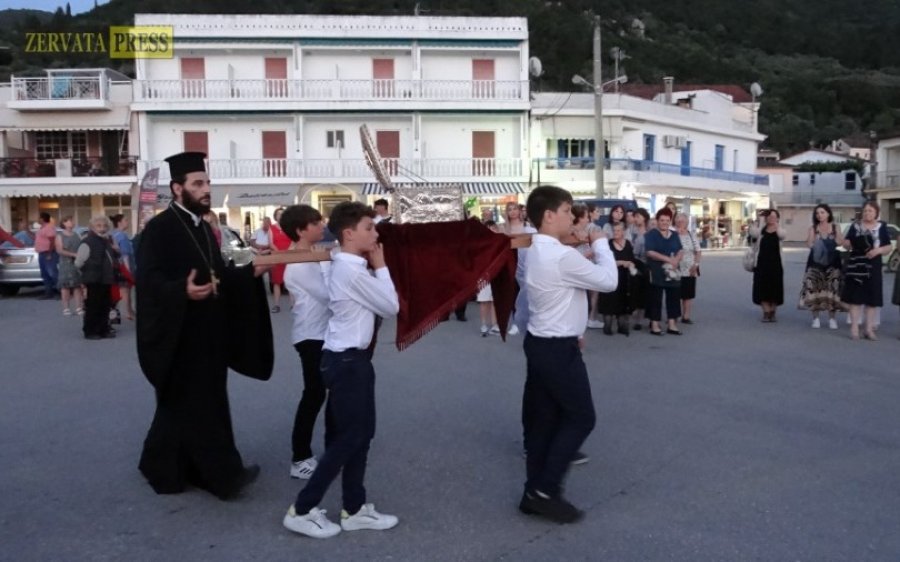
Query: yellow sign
point(141, 42)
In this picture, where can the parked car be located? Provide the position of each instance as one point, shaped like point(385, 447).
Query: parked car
point(892, 260)
point(606, 206)
point(19, 267)
point(235, 250)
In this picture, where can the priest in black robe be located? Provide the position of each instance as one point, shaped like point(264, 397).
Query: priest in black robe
point(197, 318)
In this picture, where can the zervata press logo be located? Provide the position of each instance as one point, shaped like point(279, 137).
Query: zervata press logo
point(140, 42)
point(123, 42)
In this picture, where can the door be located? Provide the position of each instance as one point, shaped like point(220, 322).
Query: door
point(196, 141)
point(483, 78)
point(483, 153)
point(274, 151)
point(276, 77)
point(193, 77)
point(383, 78)
point(388, 144)
point(686, 159)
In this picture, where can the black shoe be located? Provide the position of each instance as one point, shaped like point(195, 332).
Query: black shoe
point(251, 473)
point(673, 332)
point(93, 337)
point(687, 321)
point(109, 335)
point(580, 458)
point(555, 509)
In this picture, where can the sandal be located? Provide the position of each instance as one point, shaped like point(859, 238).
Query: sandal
point(67, 312)
point(673, 332)
point(79, 311)
point(276, 309)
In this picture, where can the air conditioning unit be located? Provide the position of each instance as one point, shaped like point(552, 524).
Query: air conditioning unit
point(63, 167)
point(681, 142)
point(669, 141)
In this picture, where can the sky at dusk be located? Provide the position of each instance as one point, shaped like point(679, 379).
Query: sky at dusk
point(77, 6)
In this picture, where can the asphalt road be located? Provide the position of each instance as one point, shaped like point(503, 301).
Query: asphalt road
point(737, 441)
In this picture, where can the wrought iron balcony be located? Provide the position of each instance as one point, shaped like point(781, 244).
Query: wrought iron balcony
point(67, 167)
point(587, 163)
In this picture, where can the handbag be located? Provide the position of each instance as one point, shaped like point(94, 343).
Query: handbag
point(751, 255)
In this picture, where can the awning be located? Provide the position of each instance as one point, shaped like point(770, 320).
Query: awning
point(469, 188)
point(72, 128)
point(233, 196)
point(69, 190)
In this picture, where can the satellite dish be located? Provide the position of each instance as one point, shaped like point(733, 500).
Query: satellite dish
point(535, 68)
point(756, 90)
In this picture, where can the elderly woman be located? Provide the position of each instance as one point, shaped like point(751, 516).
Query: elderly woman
point(821, 290)
point(689, 266)
point(617, 303)
point(638, 291)
point(664, 255)
point(97, 261)
point(768, 275)
point(868, 241)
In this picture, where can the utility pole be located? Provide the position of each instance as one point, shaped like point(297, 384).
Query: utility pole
point(600, 145)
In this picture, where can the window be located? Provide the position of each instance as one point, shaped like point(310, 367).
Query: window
point(850, 180)
point(649, 147)
point(60, 144)
point(795, 179)
point(720, 157)
point(812, 179)
point(334, 139)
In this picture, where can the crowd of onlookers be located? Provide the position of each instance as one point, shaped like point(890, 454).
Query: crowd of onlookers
point(831, 283)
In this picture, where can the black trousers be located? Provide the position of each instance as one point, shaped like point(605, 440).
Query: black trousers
point(655, 295)
point(311, 402)
point(96, 309)
point(350, 380)
point(557, 410)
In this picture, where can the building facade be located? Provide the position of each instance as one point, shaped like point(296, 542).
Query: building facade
point(697, 149)
point(887, 179)
point(66, 143)
point(277, 103)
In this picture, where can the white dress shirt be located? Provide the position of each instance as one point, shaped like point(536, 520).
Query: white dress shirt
point(356, 296)
point(557, 278)
point(308, 284)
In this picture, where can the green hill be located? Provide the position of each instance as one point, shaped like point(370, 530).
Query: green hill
point(829, 68)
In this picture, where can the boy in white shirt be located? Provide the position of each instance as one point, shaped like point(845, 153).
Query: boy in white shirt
point(308, 284)
point(557, 407)
point(356, 297)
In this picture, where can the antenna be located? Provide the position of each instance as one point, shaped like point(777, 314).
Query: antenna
point(756, 90)
point(535, 68)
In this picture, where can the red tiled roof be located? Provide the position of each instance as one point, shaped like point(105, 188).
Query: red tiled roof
point(649, 91)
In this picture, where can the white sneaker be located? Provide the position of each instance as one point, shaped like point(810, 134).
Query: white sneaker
point(484, 331)
point(304, 469)
point(595, 324)
point(313, 524)
point(367, 518)
point(816, 324)
point(495, 330)
point(513, 330)
point(832, 324)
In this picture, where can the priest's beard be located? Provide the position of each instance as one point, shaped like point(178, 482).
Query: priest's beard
point(198, 206)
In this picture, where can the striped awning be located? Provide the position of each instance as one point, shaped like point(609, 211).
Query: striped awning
point(469, 188)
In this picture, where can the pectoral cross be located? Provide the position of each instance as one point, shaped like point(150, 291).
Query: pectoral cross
point(215, 282)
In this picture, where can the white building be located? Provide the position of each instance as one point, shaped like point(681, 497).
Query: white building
point(819, 176)
point(887, 182)
point(276, 101)
point(65, 146)
point(697, 148)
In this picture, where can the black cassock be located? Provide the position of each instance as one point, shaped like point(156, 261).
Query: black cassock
point(185, 348)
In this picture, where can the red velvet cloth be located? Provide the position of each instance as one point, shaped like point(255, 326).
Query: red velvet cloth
point(438, 266)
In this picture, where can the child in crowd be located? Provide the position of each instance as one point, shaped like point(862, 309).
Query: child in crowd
point(557, 406)
point(308, 284)
point(356, 297)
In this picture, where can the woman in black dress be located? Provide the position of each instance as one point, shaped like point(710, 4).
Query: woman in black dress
point(768, 275)
point(868, 241)
point(617, 303)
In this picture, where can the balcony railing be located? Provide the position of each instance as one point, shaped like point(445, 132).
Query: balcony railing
point(66, 167)
point(326, 169)
point(327, 90)
point(587, 163)
point(889, 179)
point(815, 198)
point(59, 88)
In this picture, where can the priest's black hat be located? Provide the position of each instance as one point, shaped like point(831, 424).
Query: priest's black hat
point(184, 163)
